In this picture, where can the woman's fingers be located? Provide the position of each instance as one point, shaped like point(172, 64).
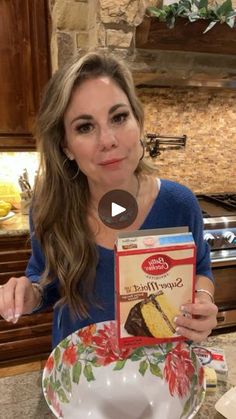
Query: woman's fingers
point(8, 299)
point(199, 324)
point(197, 321)
point(193, 335)
point(200, 308)
point(20, 292)
point(12, 298)
point(2, 311)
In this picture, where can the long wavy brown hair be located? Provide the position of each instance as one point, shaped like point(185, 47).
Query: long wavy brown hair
point(61, 198)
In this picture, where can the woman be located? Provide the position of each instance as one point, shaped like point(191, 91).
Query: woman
point(89, 128)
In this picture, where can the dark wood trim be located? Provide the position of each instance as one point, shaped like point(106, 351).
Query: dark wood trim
point(17, 143)
point(27, 321)
point(18, 242)
point(185, 36)
point(24, 361)
point(25, 347)
point(40, 53)
point(14, 256)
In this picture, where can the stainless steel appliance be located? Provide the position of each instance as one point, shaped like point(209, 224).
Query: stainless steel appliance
point(219, 216)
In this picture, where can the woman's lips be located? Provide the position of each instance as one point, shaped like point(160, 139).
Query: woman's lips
point(111, 162)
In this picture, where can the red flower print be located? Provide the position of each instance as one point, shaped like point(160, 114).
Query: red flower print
point(201, 376)
point(178, 370)
point(69, 356)
point(50, 364)
point(86, 334)
point(106, 346)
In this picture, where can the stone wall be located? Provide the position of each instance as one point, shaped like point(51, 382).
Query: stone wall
point(90, 24)
point(206, 116)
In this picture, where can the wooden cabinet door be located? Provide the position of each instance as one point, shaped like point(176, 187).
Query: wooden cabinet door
point(30, 338)
point(14, 256)
point(24, 69)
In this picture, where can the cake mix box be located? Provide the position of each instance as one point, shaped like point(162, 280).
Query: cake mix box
point(154, 274)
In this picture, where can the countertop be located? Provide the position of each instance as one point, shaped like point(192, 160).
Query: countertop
point(18, 225)
point(21, 395)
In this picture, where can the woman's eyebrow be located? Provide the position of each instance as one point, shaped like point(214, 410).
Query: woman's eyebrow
point(83, 116)
point(88, 117)
point(115, 107)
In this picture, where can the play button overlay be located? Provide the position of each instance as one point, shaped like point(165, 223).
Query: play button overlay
point(118, 209)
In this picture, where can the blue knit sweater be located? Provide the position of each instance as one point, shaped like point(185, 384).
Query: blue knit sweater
point(174, 206)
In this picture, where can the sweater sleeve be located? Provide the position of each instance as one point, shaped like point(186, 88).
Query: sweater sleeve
point(34, 270)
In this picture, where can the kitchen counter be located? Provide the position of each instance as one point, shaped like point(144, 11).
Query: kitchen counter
point(18, 225)
point(226, 342)
point(21, 395)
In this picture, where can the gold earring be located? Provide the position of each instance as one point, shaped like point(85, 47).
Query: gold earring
point(67, 159)
point(78, 170)
point(142, 144)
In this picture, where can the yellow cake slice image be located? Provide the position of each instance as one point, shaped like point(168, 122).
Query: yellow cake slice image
point(153, 317)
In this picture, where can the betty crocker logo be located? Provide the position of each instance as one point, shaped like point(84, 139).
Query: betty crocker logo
point(160, 264)
point(157, 264)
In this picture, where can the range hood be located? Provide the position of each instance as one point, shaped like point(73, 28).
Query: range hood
point(184, 56)
point(180, 68)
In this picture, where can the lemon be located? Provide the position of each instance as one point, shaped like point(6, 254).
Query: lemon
point(5, 208)
point(3, 212)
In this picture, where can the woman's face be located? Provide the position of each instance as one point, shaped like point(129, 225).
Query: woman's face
point(101, 133)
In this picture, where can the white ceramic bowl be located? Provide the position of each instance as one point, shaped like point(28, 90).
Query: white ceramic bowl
point(84, 377)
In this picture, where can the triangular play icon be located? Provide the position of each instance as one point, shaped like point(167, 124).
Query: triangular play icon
point(116, 209)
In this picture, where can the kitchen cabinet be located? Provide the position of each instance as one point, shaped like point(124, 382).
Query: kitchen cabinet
point(30, 338)
point(14, 254)
point(24, 69)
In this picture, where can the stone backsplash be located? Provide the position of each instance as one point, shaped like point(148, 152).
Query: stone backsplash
point(208, 118)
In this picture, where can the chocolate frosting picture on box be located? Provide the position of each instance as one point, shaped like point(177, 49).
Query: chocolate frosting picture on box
point(152, 282)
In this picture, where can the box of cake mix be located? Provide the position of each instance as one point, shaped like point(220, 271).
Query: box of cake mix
point(154, 275)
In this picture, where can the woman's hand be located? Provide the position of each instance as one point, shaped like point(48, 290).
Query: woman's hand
point(198, 319)
point(17, 297)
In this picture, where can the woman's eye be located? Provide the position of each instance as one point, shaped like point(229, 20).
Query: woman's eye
point(84, 128)
point(120, 117)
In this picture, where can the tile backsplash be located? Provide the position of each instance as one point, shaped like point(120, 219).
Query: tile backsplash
point(208, 118)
